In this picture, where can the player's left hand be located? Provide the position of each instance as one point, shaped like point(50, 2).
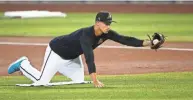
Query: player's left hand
point(157, 40)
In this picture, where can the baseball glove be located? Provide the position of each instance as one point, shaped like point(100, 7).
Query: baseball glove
point(157, 40)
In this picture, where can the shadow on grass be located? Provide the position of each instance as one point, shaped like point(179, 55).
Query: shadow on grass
point(57, 87)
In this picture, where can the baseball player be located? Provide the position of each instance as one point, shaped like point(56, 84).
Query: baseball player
point(63, 52)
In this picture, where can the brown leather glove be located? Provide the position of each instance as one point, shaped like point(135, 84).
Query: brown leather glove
point(157, 40)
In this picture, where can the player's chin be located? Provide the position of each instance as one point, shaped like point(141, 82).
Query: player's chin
point(106, 31)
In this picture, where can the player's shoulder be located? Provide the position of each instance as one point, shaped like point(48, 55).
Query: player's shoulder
point(112, 32)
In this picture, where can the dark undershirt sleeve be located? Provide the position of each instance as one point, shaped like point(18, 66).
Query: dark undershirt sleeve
point(88, 53)
point(126, 40)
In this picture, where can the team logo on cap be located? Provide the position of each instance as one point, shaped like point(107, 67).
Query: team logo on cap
point(109, 16)
point(99, 19)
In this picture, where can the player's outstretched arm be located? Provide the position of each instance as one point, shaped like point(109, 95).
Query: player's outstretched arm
point(154, 43)
point(125, 40)
point(146, 43)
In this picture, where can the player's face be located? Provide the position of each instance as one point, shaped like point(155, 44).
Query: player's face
point(104, 27)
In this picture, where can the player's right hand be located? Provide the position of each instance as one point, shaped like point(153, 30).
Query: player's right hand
point(98, 84)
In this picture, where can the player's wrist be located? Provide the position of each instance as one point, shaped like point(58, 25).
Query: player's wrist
point(146, 43)
point(94, 77)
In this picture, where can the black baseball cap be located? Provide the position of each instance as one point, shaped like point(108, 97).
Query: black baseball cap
point(104, 16)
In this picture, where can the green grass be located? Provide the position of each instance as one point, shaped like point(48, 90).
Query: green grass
point(178, 27)
point(159, 86)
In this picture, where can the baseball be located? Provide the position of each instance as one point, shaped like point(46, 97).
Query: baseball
point(155, 41)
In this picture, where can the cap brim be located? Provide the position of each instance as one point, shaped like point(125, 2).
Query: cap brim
point(109, 22)
point(113, 21)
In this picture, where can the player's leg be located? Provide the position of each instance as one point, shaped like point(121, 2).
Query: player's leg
point(74, 70)
point(29, 71)
point(50, 66)
point(23, 61)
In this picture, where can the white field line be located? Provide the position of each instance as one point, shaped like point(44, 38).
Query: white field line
point(24, 43)
point(102, 46)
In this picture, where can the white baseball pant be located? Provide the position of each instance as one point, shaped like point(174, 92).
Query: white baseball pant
point(73, 69)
